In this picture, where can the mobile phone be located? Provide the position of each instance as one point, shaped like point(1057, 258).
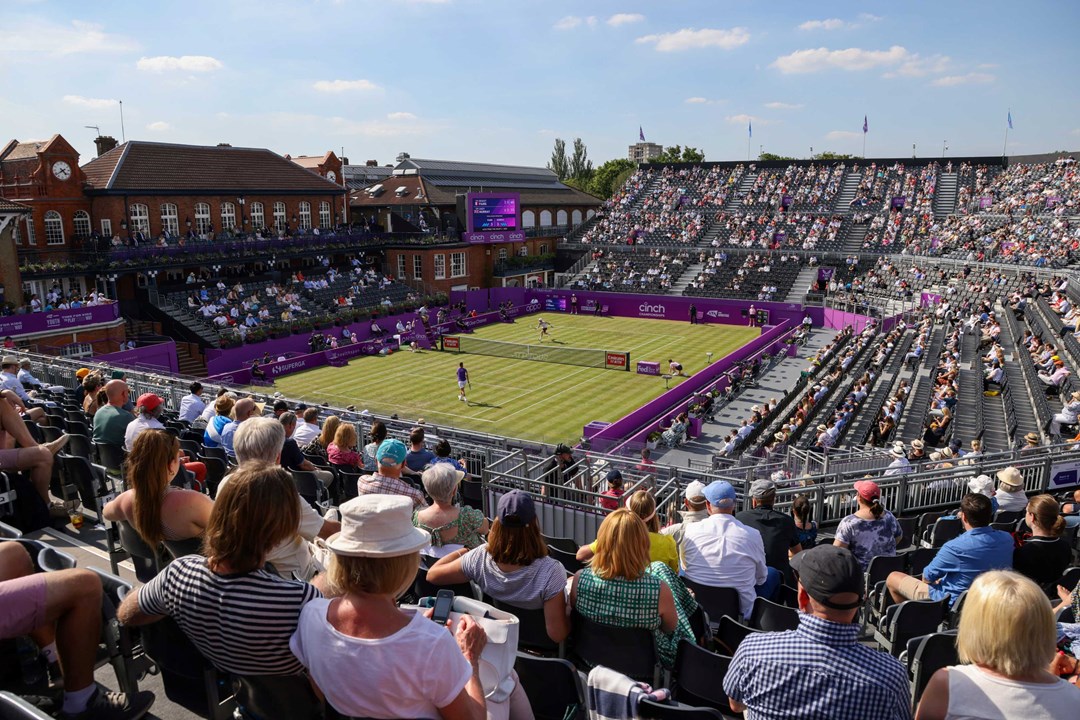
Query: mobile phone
point(444, 601)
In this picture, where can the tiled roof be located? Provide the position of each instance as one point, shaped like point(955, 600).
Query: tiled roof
point(360, 176)
point(16, 150)
point(147, 167)
point(444, 195)
point(309, 161)
point(428, 167)
point(7, 206)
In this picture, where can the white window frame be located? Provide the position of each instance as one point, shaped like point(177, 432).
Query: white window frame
point(418, 267)
point(401, 266)
point(228, 216)
point(203, 224)
point(54, 228)
point(439, 260)
point(140, 218)
point(502, 253)
point(542, 250)
point(81, 217)
point(170, 220)
point(304, 216)
point(523, 251)
point(106, 227)
point(281, 217)
point(545, 218)
point(324, 215)
point(258, 216)
point(528, 219)
point(459, 265)
point(16, 232)
point(31, 236)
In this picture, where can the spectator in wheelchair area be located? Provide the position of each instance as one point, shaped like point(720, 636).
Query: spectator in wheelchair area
point(514, 566)
point(152, 506)
point(410, 666)
point(61, 612)
point(259, 441)
point(239, 615)
point(35, 459)
point(820, 669)
point(959, 561)
point(1006, 640)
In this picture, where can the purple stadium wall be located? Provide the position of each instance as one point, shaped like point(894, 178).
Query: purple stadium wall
point(58, 320)
point(159, 355)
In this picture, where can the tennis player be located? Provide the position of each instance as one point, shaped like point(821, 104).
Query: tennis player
point(462, 379)
point(674, 368)
point(543, 327)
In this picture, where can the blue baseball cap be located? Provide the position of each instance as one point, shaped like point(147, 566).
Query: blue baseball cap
point(391, 452)
point(720, 492)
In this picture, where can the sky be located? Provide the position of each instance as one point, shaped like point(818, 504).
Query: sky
point(499, 80)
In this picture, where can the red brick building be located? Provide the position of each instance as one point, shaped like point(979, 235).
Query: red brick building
point(328, 166)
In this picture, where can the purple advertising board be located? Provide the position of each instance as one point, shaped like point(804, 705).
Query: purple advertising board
point(985, 201)
point(158, 355)
point(58, 320)
point(479, 238)
point(898, 203)
point(928, 298)
point(825, 273)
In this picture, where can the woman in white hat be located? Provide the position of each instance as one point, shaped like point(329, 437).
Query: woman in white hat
point(899, 464)
point(369, 658)
point(1010, 493)
point(1067, 416)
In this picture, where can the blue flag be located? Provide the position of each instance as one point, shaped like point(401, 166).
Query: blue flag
point(865, 125)
point(641, 133)
point(1010, 120)
point(750, 128)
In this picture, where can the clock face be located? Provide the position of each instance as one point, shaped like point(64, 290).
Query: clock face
point(61, 170)
point(331, 176)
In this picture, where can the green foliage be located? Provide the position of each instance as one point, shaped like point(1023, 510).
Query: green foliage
point(559, 163)
point(835, 156)
point(679, 154)
point(580, 165)
point(772, 156)
point(610, 176)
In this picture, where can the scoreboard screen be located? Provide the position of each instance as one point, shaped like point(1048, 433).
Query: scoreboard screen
point(494, 212)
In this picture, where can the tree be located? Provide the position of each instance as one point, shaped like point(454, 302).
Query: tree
point(827, 155)
point(580, 164)
point(559, 164)
point(679, 154)
point(772, 156)
point(610, 176)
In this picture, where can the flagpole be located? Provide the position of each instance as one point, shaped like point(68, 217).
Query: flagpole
point(1005, 147)
point(864, 145)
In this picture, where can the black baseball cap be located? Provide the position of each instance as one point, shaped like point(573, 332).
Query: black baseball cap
point(516, 509)
point(613, 476)
point(563, 448)
point(827, 570)
point(281, 405)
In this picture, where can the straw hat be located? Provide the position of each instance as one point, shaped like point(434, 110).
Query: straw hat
point(1010, 479)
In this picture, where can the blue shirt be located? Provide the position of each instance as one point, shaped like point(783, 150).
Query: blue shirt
point(417, 460)
point(962, 559)
point(818, 670)
point(227, 434)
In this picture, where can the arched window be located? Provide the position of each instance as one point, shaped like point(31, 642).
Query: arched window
point(281, 222)
point(228, 216)
point(305, 216)
point(575, 217)
point(589, 215)
point(54, 228)
point(170, 221)
point(140, 218)
point(258, 217)
point(545, 218)
point(324, 215)
point(528, 219)
point(203, 226)
point(561, 218)
point(81, 223)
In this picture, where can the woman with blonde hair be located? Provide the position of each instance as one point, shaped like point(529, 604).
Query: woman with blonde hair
point(1007, 639)
point(662, 548)
point(412, 668)
point(152, 506)
point(620, 587)
point(319, 445)
point(343, 450)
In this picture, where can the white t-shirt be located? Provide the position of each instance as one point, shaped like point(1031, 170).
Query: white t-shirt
point(410, 674)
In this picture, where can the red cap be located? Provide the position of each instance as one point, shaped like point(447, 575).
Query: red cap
point(150, 401)
point(868, 489)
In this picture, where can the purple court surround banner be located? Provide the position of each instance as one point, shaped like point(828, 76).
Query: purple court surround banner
point(503, 236)
point(159, 355)
point(58, 320)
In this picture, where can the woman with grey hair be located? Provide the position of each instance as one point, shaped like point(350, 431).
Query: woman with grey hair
point(450, 526)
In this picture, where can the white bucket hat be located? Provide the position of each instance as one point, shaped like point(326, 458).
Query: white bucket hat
point(377, 526)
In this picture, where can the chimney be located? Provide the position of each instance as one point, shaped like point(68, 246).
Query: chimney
point(344, 161)
point(104, 144)
point(372, 163)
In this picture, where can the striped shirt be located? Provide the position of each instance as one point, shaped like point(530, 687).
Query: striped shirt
point(528, 587)
point(817, 671)
point(241, 623)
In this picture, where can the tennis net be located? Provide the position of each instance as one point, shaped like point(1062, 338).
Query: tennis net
point(587, 357)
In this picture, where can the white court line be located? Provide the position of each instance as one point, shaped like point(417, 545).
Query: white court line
point(422, 411)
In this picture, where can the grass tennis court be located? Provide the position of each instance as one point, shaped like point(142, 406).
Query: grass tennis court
point(541, 401)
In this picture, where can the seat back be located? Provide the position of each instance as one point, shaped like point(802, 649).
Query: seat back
point(907, 529)
point(771, 617)
point(471, 494)
point(563, 543)
point(215, 452)
point(932, 653)
point(80, 446)
point(112, 457)
point(215, 472)
point(914, 618)
point(926, 521)
point(266, 697)
point(653, 710)
point(699, 677)
point(146, 560)
point(311, 489)
point(9, 533)
point(918, 559)
point(1070, 578)
point(568, 559)
point(716, 601)
point(731, 633)
point(552, 685)
point(532, 626)
point(180, 548)
point(423, 588)
point(944, 530)
point(49, 559)
point(631, 651)
point(13, 707)
point(187, 676)
point(1009, 516)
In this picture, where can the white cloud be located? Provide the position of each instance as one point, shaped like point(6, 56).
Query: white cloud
point(973, 78)
point(691, 39)
point(159, 126)
point(743, 119)
point(818, 59)
point(187, 63)
point(867, 17)
point(90, 103)
point(1075, 131)
point(546, 132)
point(78, 37)
point(830, 24)
point(918, 66)
point(842, 135)
point(696, 100)
point(336, 86)
point(625, 19)
point(572, 21)
point(783, 106)
point(401, 116)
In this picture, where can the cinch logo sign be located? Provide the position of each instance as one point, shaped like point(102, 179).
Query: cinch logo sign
point(451, 343)
point(651, 310)
point(616, 360)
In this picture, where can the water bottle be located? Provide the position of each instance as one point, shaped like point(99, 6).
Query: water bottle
point(33, 673)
